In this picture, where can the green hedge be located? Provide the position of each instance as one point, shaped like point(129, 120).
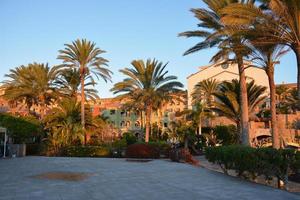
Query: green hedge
point(21, 129)
point(86, 151)
point(252, 162)
point(35, 149)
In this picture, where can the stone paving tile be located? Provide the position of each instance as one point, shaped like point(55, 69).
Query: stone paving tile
point(119, 179)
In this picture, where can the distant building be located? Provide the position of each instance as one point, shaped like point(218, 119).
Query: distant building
point(133, 121)
point(224, 73)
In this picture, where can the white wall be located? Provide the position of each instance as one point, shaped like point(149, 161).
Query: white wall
point(221, 74)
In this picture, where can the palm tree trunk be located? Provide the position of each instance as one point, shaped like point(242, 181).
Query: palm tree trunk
point(186, 143)
point(200, 126)
point(297, 52)
point(275, 133)
point(238, 129)
point(141, 118)
point(82, 106)
point(243, 104)
point(148, 123)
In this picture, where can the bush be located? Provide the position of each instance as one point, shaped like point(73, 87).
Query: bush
point(86, 151)
point(141, 151)
point(130, 138)
point(228, 134)
point(118, 147)
point(162, 147)
point(251, 162)
point(35, 149)
point(21, 129)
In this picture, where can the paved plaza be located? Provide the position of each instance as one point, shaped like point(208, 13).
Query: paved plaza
point(25, 179)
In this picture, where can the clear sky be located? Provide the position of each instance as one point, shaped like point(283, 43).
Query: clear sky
point(34, 30)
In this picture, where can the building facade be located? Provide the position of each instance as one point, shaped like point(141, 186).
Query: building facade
point(134, 121)
point(224, 73)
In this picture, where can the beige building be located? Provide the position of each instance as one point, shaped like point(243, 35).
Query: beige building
point(224, 73)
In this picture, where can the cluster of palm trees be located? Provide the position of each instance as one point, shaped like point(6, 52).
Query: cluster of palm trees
point(287, 100)
point(210, 96)
point(258, 31)
point(243, 31)
point(147, 87)
point(61, 86)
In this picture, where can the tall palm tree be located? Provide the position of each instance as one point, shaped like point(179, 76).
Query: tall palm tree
point(216, 34)
point(203, 98)
point(266, 57)
point(149, 83)
point(68, 82)
point(278, 24)
point(32, 84)
point(228, 100)
point(86, 57)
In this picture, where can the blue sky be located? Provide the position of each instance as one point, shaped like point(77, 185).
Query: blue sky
point(34, 30)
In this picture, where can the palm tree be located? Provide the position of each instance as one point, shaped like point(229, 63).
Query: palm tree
point(64, 123)
point(278, 24)
point(32, 84)
point(293, 100)
point(138, 107)
point(148, 83)
point(86, 57)
point(228, 100)
point(203, 98)
point(266, 57)
point(216, 34)
point(68, 82)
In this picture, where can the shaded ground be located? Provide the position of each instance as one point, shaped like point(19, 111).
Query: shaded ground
point(119, 179)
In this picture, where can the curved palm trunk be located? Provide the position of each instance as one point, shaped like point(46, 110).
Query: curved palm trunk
point(148, 123)
point(43, 107)
point(275, 133)
point(297, 52)
point(244, 108)
point(82, 106)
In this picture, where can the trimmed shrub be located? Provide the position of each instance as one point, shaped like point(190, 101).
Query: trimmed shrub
point(252, 162)
point(130, 138)
point(86, 151)
point(142, 151)
point(162, 147)
point(21, 129)
point(118, 148)
point(228, 134)
point(35, 149)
